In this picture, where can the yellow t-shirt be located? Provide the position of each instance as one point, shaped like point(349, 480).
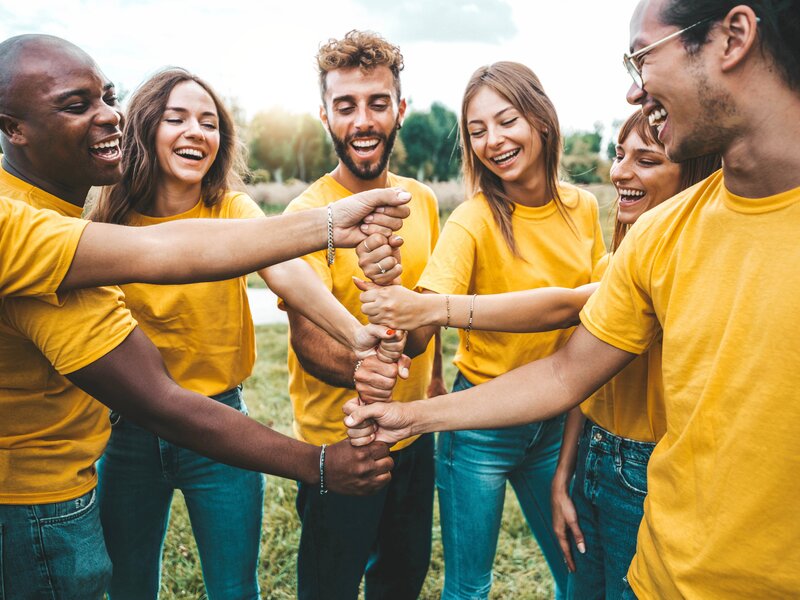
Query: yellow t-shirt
point(51, 432)
point(36, 249)
point(472, 258)
point(631, 405)
point(718, 274)
point(318, 416)
point(203, 330)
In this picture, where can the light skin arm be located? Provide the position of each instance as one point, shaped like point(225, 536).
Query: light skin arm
point(133, 380)
point(565, 518)
point(436, 386)
point(527, 311)
point(534, 392)
point(194, 250)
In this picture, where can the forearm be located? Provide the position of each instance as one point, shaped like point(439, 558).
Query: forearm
point(568, 454)
point(534, 392)
point(419, 339)
point(193, 249)
point(319, 354)
point(303, 291)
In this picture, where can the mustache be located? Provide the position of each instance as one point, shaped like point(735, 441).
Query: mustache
point(362, 135)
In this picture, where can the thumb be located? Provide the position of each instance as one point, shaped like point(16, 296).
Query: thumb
point(363, 285)
point(403, 366)
point(395, 241)
point(350, 406)
point(359, 414)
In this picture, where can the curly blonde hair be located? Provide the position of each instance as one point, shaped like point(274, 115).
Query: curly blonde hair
point(363, 49)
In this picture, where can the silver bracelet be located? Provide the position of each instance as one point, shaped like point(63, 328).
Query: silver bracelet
point(322, 489)
point(331, 249)
point(358, 366)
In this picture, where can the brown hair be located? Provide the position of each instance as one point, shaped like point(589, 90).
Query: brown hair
point(692, 171)
point(363, 49)
point(136, 191)
point(522, 88)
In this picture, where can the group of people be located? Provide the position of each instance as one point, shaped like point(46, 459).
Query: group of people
point(649, 448)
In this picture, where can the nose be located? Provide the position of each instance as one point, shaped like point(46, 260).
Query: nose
point(620, 171)
point(109, 115)
point(363, 119)
point(635, 95)
point(494, 137)
point(193, 129)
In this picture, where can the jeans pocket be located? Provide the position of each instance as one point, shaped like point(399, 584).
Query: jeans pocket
point(633, 476)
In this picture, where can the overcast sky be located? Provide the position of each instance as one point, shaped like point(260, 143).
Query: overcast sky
point(262, 53)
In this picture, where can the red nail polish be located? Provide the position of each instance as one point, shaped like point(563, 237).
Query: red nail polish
point(390, 332)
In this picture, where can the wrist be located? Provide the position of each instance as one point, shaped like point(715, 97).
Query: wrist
point(440, 310)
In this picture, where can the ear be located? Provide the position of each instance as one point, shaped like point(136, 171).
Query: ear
point(401, 111)
point(13, 129)
point(323, 116)
point(740, 28)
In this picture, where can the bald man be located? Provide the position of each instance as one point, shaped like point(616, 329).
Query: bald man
point(59, 131)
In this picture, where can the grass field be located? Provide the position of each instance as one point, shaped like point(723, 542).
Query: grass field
point(520, 571)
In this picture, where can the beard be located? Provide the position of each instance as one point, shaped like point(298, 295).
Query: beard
point(366, 171)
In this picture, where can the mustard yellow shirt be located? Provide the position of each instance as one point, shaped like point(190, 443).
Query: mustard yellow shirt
point(36, 249)
point(718, 275)
point(318, 416)
point(472, 258)
point(204, 331)
point(51, 433)
point(631, 405)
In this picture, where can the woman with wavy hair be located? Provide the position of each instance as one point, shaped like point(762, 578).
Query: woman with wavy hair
point(182, 160)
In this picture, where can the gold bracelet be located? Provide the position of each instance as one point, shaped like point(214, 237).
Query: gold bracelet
point(469, 324)
point(447, 306)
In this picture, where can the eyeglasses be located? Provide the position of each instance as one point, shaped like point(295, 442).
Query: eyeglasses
point(631, 61)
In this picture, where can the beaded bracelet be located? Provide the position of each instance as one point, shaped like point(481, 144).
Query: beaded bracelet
point(469, 324)
point(447, 307)
point(331, 249)
point(322, 489)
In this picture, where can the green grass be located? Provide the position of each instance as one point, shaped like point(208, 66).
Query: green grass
point(520, 570)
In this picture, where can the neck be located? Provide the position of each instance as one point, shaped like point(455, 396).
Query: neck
point(349, 181)
point(174, 198)
point(764, 159)
point(531, 191)
point(18, 169)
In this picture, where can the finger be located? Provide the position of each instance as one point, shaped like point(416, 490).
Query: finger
point(371, 243)
point(364, 286)
point(380, 450)
point(385, 278)
point(361, 413)
point(358, 442)
point(400, 212)
point(385, 334)
point(577, 535)
point(349, 406)
point(388, 222)
point(395, 241)
point(563, 543)
point(404, 367)
point(368, 228)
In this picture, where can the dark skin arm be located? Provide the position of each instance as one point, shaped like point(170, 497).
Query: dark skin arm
point(132, 379)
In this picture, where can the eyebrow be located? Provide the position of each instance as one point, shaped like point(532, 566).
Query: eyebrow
point(180, 109)
point(81, 92)
point(497, 114)
point(351, 98)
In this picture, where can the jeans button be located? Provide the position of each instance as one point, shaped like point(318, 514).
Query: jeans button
point(598, 437)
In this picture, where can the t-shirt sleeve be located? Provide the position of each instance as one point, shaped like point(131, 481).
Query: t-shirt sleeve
point(36, 249)
point(89, 325)
point(243, 206)
point(621, 312)
point(449, 270)
point(599, 247)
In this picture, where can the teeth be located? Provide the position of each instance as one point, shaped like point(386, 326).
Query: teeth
point(189, 152)
point(505, 155)
point(365, 143)
point(630, 193)
point(111, 144)
point(657, 117)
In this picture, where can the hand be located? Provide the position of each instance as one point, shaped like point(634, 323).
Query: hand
point(375, 380)
point(565, 519)
point(393, 420)
point(357, 470)
point(392, 349)
point(367, 337)
point(373, 211)
point(392, 305)
point(379, 258)
point(436, 387)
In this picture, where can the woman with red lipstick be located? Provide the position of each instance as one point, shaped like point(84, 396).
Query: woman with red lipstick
point(610, 437)
point(521, 228)
point(181, 160)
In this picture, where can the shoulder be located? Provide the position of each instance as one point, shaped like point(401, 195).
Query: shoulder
point(576, 198)
point(316, 195)
point(239, 205)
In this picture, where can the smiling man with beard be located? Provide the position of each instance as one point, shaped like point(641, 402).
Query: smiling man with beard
point(388, 534)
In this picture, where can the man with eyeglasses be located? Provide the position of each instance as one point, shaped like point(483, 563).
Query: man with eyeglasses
point(715, 271)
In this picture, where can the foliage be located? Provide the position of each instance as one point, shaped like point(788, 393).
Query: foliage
point(430, 142)
point(582, 161)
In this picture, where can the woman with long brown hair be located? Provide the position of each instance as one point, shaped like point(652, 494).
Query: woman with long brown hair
point(182, 160)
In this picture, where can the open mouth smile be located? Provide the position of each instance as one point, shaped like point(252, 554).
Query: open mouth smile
point(628, 196)
point(658, 118)
point(190, 153)
point(365, 146)
point(506, 157)
point(108, 150)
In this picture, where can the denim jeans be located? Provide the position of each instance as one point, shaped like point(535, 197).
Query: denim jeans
point(608, 492)
point(138, 474)
point(472, 469)
point(384, 538)
point(53, 551)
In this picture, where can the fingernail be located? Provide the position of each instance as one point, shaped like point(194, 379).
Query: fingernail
point(582, 548)
point(348, 420)
point(380, 209)
point(390, 332)
point(404, 196)
point(404, 372)
point(368, 219)
point(364, 228)
point(399, 239)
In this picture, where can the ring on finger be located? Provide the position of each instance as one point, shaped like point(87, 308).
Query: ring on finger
point(367, 247)
point(383, 271)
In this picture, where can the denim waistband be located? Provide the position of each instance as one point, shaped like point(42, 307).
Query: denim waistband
point(602, 440)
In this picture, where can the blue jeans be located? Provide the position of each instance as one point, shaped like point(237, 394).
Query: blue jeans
point(53, 551)
point(472, 468)
point(384, 538)
point(138, 475)
point(608, 492)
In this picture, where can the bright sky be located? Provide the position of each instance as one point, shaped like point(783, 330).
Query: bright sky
point(262, 53)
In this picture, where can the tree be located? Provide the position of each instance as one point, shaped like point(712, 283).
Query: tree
point(429, 138)
point(581, 160)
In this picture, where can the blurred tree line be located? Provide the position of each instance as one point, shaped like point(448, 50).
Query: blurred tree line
point(287, 146)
